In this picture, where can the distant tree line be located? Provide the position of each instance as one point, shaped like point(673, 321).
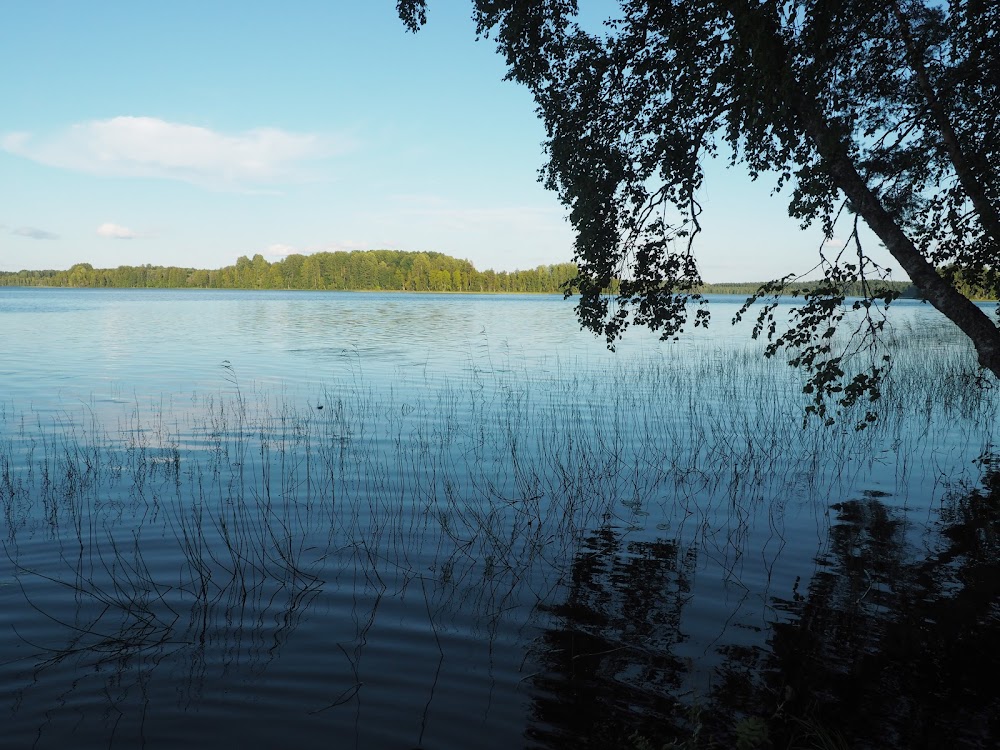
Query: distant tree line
point(981, 284)
point(387, 270)
point(853, 289)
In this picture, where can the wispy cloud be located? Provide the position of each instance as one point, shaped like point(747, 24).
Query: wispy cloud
point(115, 232)
point(278, 251)
point(155, 148)
point(35, 233)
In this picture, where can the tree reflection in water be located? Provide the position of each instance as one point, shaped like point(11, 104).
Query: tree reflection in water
point(893, 643)
point(609, 668)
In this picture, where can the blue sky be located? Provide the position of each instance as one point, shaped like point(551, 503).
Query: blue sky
point(190, 133)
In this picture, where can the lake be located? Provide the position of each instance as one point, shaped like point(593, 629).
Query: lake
point(293, 519)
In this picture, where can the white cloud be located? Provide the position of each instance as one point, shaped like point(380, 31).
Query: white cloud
point(115, 232)
point(35, 233)
point(151, 147)
point(278, 251)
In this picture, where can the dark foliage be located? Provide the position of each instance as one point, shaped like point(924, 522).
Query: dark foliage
point(885, 112)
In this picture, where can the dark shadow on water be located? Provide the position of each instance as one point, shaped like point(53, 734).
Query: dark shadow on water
point(891, 644)
point(608, 668)
point(897, 647)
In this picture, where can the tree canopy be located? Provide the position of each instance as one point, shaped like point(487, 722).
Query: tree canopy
point(389, 270)
point(359, 270)
point(886, 111)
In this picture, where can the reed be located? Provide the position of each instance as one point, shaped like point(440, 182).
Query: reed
point(172, 528)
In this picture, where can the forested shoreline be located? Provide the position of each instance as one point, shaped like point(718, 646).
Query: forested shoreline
point(358, 270)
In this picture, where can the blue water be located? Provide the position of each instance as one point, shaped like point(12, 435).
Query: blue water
point(273, 519)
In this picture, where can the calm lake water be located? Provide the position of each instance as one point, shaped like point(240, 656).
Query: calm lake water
point(268, 519)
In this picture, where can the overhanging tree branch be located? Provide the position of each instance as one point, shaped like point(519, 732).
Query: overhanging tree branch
point(986, 211)
point(759, 30)
point(841, 100)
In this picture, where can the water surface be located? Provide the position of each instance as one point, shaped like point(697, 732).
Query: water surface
point(275, 518)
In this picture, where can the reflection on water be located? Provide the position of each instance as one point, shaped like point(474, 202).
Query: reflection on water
point(890, 644)
point(477, 543)
point(608, 667)
point(893, 642)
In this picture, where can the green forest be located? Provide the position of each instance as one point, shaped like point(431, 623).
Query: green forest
point(389, 270)
point(358, 270)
